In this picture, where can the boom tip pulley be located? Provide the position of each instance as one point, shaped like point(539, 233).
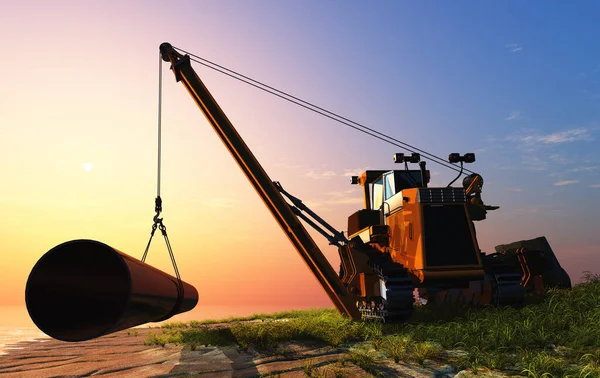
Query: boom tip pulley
point(168, 53)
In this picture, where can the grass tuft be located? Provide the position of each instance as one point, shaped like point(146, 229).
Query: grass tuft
point(556, 334)
point(363, 358)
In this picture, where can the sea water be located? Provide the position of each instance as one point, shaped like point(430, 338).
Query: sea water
point(16, 327)
point(9, 337)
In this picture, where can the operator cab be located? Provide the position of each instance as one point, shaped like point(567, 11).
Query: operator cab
point(391, 183)
point(380, 186)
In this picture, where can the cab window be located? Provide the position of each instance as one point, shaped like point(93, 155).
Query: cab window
point(377, 194)
point(389, 186)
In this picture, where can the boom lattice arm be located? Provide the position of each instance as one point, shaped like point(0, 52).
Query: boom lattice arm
point(283, 214)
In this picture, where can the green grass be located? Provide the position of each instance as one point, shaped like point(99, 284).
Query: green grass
point(364, 358)
point(293, 314)
point(555, 335)
point(323, 325)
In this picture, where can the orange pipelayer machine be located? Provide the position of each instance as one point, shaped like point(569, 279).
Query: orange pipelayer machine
point(408, 238)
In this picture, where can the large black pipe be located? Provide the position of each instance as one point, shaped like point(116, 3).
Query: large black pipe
point(83, 289)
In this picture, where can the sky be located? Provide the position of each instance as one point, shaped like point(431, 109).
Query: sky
point(518, 83)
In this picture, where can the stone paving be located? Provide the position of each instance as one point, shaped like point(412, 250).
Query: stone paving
point(123, 354)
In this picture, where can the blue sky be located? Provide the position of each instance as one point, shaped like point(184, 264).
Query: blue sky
point(518, 83)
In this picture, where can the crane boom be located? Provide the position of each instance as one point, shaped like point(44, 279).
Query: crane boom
point(266, 189)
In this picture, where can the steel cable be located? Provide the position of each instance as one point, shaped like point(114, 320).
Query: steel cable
point(319, 110)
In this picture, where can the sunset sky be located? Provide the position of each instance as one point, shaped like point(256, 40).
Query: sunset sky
point(518, 83)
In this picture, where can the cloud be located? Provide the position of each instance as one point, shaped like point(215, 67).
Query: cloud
point(529, 209)
point(354, 171)
point(342, 193)
point(559, 159)
point(566, 136)
point(221, 203)
point(288, 166)
point(344, 197)
point(549, 151)
point(514, 47)
point(572, 135)
point(534, 163)
point(566, 182)
point(533, 209)
point(595, 186)
point(514, 115)
point(514, 189)
point(585, 169)
point(313, 205)
point(320, 175)
point(356, 200)
point(327, 174)
point(351, 196)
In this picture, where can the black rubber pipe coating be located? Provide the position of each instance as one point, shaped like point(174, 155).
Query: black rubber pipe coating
point(83, 289)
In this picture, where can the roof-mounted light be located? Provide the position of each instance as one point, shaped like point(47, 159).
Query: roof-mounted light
point(412, 158)
point(466, 158)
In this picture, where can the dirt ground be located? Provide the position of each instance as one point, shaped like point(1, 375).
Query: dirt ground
point(123, 354)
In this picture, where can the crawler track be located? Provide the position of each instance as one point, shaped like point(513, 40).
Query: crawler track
point(506, 280)
point(397, 306)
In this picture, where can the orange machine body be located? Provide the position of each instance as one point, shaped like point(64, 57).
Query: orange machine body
point(407, 237)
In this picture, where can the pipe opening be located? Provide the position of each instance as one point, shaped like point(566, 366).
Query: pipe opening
point(78, 290)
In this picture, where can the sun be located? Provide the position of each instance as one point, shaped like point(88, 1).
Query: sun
point(88, 167)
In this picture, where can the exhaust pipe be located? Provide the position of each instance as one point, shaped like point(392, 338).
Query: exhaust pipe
point(83, 289)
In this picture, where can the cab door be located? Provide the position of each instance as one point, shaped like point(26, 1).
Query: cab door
point(388, 191)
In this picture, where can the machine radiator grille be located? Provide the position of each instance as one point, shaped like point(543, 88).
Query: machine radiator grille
point(448, 240)
point(442, 195)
